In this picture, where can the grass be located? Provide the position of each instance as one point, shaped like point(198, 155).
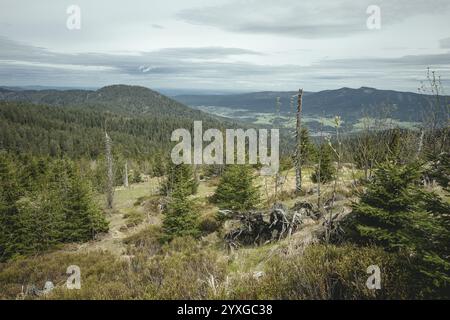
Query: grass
point(135, 264)
point(125, 197)
point(249, 260)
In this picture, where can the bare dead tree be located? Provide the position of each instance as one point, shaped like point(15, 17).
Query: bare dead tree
point(277, 175)
point(298, 138)
point(266, 188)
point(125, 175)
point(110, 174)
point(437, 116)
point(319, 169)
point(420, 143)
point(338, 152)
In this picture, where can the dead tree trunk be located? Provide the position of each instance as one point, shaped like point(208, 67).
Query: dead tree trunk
point(298, 150)
point(319, 168)
point(125, 175)
point(420, 144)
point(110, 174)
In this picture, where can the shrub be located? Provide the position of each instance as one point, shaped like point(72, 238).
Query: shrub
point(101, 276)
point(327, 272)
point(209, 224)
point(134, 218)
point(146, 240)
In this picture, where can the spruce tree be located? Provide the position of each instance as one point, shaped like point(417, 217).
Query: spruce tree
point(439, 170)
point(324, 166)
point(57, 207)
point(10, 192)
point(180, 218)
point(307, 148)
point(179, 174)
point(395, 212)
point(83, 219)
point(236, 189)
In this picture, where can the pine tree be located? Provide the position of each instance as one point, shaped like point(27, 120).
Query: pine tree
point(307, 148)
point(10, 192)
point(324, 168)
point(83, 219)
point(179, 174)
point(399, 215)
point(439, 170)
point(137, 175)
point(55, 208)
point(39, 223)
point(236, 189)
point(180, 219)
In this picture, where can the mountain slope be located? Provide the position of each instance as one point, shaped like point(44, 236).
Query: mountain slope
point(123, 99)
point(71, 123)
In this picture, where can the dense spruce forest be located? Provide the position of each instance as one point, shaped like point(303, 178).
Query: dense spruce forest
point(86, 180)
point(72, 122)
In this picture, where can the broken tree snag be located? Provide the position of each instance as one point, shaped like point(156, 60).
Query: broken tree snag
point(125, 175)
point(110, 174)
point(306, 209)
point(298, 145)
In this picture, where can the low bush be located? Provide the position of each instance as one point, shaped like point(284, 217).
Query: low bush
point(327, 272)
point(209, 224)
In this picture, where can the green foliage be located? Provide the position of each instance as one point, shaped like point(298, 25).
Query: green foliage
point(399, 215)
point(75, 131)
point(179, 176)
point(236, 189)
point(439, 170)
point(306, 148)
point(136, 176)
point(324, 166)
point(44, 205)
point(180, 219)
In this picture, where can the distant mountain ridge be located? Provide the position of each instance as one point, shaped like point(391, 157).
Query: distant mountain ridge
point(346, 102)
point(122, 99)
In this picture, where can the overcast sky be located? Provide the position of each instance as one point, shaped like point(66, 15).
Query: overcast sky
point(243, 45)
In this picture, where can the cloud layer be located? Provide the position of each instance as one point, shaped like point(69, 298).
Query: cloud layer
point(306, 19)
point(243, 45)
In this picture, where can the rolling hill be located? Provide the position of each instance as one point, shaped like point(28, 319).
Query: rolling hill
point(71, 122)
point(122, 99)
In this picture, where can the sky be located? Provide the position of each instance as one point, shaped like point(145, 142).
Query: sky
point(224, 45)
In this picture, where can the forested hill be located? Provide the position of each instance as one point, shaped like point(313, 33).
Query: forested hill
point(123, 99)
point(346, 102)
point(71, 123)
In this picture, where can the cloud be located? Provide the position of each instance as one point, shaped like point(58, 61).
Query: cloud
point(158, 61)
point(305, 19)
point(205, 67)
point(445, 43)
